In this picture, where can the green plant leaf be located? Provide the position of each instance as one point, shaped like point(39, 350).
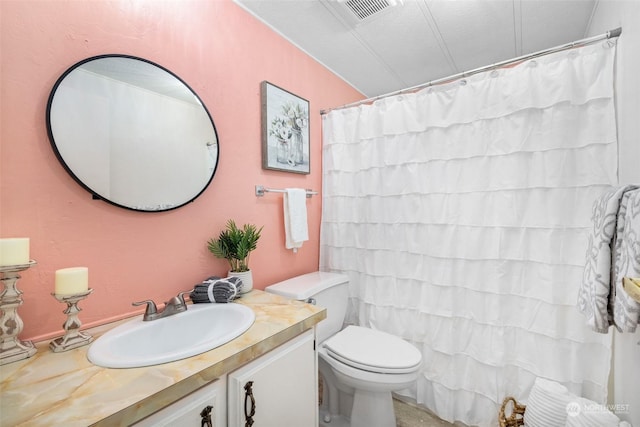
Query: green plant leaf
point(235, 244)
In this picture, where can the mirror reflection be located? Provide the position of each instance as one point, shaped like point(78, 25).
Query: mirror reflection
point(132, 133)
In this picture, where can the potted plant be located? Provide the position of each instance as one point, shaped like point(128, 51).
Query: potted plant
point(235, 245)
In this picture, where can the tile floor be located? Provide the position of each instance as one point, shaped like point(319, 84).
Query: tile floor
point(408, 415)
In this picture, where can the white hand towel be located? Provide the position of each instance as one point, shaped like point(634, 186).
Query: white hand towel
point(295, 218)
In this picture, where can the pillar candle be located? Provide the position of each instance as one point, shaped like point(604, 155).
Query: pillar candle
point(14, 251)
point(73, 280)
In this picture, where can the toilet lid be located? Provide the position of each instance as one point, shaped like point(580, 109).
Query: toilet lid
point(374, 351)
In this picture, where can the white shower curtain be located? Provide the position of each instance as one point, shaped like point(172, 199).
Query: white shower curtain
point(461, 215)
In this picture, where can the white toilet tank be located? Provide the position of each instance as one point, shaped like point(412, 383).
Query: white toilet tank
point(329, 290)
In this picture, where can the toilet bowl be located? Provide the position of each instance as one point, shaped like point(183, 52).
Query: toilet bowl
point(371, 364)
point(363, 363)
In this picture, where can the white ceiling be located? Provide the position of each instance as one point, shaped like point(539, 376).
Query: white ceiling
point(418, 41)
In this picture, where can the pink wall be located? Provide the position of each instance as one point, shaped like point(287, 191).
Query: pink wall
point(223, 53)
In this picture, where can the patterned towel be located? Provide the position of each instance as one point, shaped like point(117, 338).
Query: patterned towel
point(215, 289)
point(614, 252)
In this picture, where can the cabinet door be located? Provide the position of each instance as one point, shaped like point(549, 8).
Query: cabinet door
point(186, 411)
point(279, 387)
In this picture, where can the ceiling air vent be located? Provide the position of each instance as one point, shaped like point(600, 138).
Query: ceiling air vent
point(357, 12)
point(366, 8)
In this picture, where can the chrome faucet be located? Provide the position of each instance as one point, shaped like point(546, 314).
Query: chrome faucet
point(174, 306)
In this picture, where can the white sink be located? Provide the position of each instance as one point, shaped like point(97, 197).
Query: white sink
point(201, 328)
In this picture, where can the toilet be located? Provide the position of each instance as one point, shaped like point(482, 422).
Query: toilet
point(358, 365)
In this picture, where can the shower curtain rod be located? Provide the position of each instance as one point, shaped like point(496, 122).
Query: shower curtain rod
point(608, 35)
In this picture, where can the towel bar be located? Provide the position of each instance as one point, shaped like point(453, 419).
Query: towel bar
point(260, 190)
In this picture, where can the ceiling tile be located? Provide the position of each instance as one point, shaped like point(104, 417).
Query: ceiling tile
point(476, 33)
point(422, 40)
point(405, 41)
point(547, 24)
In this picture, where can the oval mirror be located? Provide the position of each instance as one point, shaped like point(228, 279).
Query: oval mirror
point(132, 133)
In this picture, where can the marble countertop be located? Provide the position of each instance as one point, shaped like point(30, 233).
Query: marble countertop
point(66, 389)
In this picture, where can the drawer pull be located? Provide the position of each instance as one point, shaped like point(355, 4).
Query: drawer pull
point(206, 417)
point(248, 414)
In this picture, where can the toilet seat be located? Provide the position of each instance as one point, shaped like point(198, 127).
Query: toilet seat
point(373, 351)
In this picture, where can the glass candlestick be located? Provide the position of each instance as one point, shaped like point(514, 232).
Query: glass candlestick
point(72, 338)
point(11, 348)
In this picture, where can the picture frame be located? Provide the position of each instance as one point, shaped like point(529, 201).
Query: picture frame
point(285, 130)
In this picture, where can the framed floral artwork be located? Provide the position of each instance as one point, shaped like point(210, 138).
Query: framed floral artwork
point(285, 130)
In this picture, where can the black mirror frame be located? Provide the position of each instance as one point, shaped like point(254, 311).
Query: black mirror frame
point(93, 193)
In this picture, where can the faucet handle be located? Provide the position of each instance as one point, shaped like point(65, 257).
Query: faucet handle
point(182, 294)
point(151, 306)
point(178, 302)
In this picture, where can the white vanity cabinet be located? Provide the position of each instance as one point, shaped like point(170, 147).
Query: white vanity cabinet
point(188, 411)
point(278, 389)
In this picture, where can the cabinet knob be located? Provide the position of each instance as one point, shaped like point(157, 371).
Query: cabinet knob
point(206, 417)
point(248, 414)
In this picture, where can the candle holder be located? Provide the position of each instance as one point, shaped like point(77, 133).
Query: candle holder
point(72, 337)
point(11, 325)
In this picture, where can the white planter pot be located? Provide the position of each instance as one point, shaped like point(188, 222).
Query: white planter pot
point(246, 277)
